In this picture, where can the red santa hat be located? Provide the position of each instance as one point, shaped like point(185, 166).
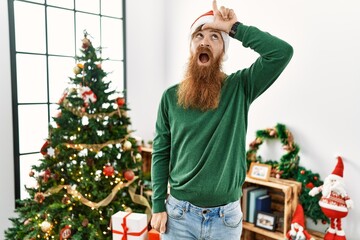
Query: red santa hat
point(338, 170)
point(209, 18)
point(298, 216)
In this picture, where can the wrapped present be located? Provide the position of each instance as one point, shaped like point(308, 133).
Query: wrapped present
point(154, 235)
point(129, 226)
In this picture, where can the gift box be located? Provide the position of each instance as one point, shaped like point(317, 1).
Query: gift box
point(129, 226)
point(154, 235)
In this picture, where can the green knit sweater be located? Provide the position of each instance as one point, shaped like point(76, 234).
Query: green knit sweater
point(202, 154)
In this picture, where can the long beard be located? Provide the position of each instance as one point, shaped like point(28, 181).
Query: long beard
point(336, 187)
point(201, 87)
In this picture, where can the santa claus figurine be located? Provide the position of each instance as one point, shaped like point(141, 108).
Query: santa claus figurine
point(297, 231)
point(334, 201)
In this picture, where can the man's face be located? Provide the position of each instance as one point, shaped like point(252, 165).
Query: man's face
point(212, 44)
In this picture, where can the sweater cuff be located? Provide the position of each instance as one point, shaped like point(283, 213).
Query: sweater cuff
point(158, 206)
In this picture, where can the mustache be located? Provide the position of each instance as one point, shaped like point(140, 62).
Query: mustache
point(203, 49)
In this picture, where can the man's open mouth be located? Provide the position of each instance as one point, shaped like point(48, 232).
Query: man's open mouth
point(204, 57)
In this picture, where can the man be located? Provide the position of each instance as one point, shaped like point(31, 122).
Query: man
point(199, 147)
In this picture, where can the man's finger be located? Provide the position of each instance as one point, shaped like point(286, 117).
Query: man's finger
point(162, 227)
point(214, 6)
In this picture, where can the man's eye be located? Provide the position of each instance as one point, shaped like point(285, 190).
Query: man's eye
point(199, 35)
point(215, 37)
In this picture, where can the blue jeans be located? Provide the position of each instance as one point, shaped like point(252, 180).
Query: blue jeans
point(186, 221)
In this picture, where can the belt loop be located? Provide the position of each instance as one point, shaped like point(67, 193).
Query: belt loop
point(221, 211)
point(186, 206)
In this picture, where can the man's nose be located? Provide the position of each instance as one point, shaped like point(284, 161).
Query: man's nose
point(204, 44)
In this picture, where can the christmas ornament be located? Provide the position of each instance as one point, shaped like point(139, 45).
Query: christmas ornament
point(46, 175)
point(334, 201)
point(65, 200)
point(39, 197)
point(127, 145)
point(310, 185)
point(27, 221)
point(45, 226)
point(129, 175)
point(44, 148)
point(120, 101)
point(138, 157)
point(85, 43)
point(85, 222)
point(108, 170)
point(297, 231)
point(87, 95)
point(31, 173)
point(65, 232)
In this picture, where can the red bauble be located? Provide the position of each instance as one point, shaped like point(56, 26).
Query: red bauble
point(129, 175)
point(65, 232)
point(315, 178)
point(108, 170)
point(310, 185)
point(302, 172)
point(120, 101)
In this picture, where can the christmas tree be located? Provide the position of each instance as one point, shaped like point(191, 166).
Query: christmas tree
point(91, 165)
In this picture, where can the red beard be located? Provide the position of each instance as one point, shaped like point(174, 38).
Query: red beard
point(201, 86)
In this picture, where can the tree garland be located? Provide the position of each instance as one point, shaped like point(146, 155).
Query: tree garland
point(288, 167)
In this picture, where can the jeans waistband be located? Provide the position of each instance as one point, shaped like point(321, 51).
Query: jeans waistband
point(210, 211)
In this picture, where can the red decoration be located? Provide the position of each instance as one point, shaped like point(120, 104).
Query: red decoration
point(310, 185)
point(129, 175)
point(108, 170)
point(88, 95)
point(315, 178)
point(65, 232)
point(302, 172)
point(39, 197)
point(44, 148)
point(120, 101)
point(334, 202)
point(46, 175)
point(297, 230)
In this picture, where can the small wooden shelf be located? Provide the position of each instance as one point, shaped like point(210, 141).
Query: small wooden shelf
point(289, 191)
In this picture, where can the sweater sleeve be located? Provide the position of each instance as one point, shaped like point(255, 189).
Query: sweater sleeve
point(161, 158)
point(275, 54)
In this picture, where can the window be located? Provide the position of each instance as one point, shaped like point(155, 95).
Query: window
point(45, 38)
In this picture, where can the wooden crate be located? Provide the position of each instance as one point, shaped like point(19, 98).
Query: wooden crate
point(146, 154)
point(284, 194)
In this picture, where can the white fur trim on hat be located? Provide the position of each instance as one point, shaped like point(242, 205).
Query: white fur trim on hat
point(209, 18)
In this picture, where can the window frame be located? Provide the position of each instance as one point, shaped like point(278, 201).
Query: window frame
point(14, 79)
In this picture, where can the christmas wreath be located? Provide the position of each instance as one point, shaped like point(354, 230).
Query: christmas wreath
point(288, 167)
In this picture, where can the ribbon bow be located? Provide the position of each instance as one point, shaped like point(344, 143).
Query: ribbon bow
point(125, 232)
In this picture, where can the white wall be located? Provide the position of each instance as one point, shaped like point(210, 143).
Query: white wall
point(145, 63)
point(316, 96)
point(7, 200)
